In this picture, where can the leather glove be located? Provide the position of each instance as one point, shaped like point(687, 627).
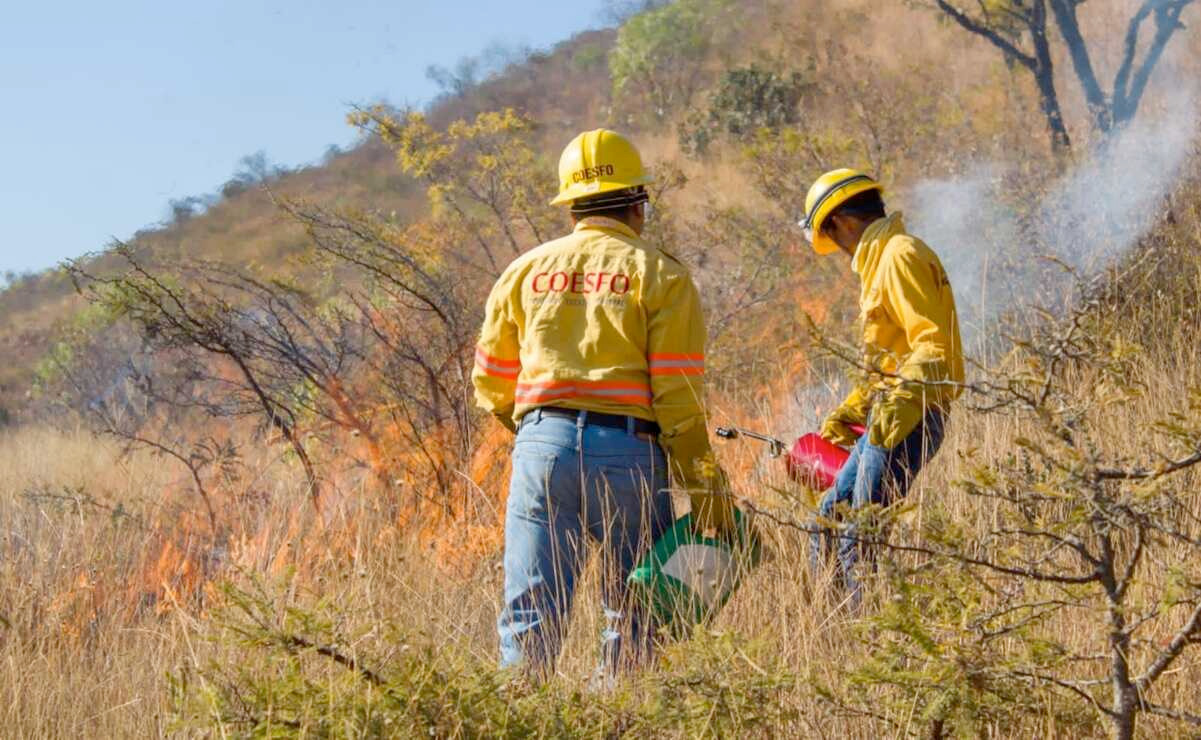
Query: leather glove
point(894, 418)
point(836, 429)
point(712, 503)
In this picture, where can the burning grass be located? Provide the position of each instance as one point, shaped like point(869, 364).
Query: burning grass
point(111, 584)
point(113, 578)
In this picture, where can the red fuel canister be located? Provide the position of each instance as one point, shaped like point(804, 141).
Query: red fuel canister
point(814, 462)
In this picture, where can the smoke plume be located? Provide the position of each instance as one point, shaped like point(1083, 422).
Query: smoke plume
point(991, 242)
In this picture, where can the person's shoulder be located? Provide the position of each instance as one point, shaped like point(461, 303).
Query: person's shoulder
point(668, 263)
point(668, 271)
point(904, 247)
point(542, 251)
point(901, 244)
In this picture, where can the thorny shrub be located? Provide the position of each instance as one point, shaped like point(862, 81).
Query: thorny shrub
point(1082, 588)
point(300, 675)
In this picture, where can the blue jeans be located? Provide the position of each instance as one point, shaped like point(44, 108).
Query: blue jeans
point(871, 475)
point(572, 479)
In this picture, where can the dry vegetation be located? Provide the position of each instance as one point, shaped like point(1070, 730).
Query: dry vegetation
point(128, 609)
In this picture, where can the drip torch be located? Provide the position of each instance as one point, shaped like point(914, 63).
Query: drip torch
point(810, 461)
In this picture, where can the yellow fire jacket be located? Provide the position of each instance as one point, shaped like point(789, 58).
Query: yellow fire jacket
point(910, 330)
point(599, 320)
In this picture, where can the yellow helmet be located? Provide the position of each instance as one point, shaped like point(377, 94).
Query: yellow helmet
point(596, 162)
point(827, 193)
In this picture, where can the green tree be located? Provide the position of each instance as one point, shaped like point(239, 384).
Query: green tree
point(658, 59)
point(745, 100)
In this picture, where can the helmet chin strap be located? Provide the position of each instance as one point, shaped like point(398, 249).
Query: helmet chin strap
point(622, 199)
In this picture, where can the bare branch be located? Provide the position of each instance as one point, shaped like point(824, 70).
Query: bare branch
point(1174, 466)
point(1177, 714)
point(1188, 634)
point(1076, 687)
point(1127, 95)
point(982, 30)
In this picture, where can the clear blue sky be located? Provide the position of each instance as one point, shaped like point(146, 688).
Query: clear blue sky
point(113, 108)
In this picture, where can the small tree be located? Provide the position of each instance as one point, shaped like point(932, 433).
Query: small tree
point(656, 61)
point(1080, 589)
point(183, 209)
point(484, 179)
point(100, 370)
point(381, 349)
point(746, 99)
point(252, 348)
point(419, 322)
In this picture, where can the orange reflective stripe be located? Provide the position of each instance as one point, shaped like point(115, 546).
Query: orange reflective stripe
point(496, 367)
point(481, 354)
point(505, 374)
point(676, 364)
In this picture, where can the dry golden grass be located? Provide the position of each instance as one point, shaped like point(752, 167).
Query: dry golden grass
point(77, 658)
point(107, 571)
point(73, 665)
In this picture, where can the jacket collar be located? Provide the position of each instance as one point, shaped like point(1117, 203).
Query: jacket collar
point(871, 244)
point(604, 223)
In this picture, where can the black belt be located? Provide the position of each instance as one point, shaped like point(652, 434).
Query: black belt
point(596, 418)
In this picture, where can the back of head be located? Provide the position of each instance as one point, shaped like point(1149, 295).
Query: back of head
point(615, 204)
point(868, 206)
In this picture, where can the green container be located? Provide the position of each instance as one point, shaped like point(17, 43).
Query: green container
point(686, 578)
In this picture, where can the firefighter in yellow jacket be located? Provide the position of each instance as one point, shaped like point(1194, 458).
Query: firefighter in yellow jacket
point(592, 351)
point(911, 346)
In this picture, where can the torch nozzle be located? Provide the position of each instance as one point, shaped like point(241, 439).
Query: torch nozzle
point(777, 447)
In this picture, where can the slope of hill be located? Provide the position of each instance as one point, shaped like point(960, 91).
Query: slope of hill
point(245, 227)
point(906, 124)
point(294, 511)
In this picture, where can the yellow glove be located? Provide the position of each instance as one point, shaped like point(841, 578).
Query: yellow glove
point(836, 429)
point(894, 418)
point(712, 503)
point(838, 432)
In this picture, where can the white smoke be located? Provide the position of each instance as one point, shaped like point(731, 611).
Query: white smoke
point(1091, 216)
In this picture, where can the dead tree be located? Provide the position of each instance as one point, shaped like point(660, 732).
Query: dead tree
point(1020, 30)
point(254, 349)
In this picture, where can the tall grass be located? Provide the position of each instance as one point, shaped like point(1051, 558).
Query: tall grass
point(124, 614)
point(99, 624)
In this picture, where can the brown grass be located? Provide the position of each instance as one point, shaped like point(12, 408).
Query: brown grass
point(106, 572)
point(79, 656)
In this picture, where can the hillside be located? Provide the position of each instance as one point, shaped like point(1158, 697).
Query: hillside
point(982, 115)
point(245, 227)
point(253, 464)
